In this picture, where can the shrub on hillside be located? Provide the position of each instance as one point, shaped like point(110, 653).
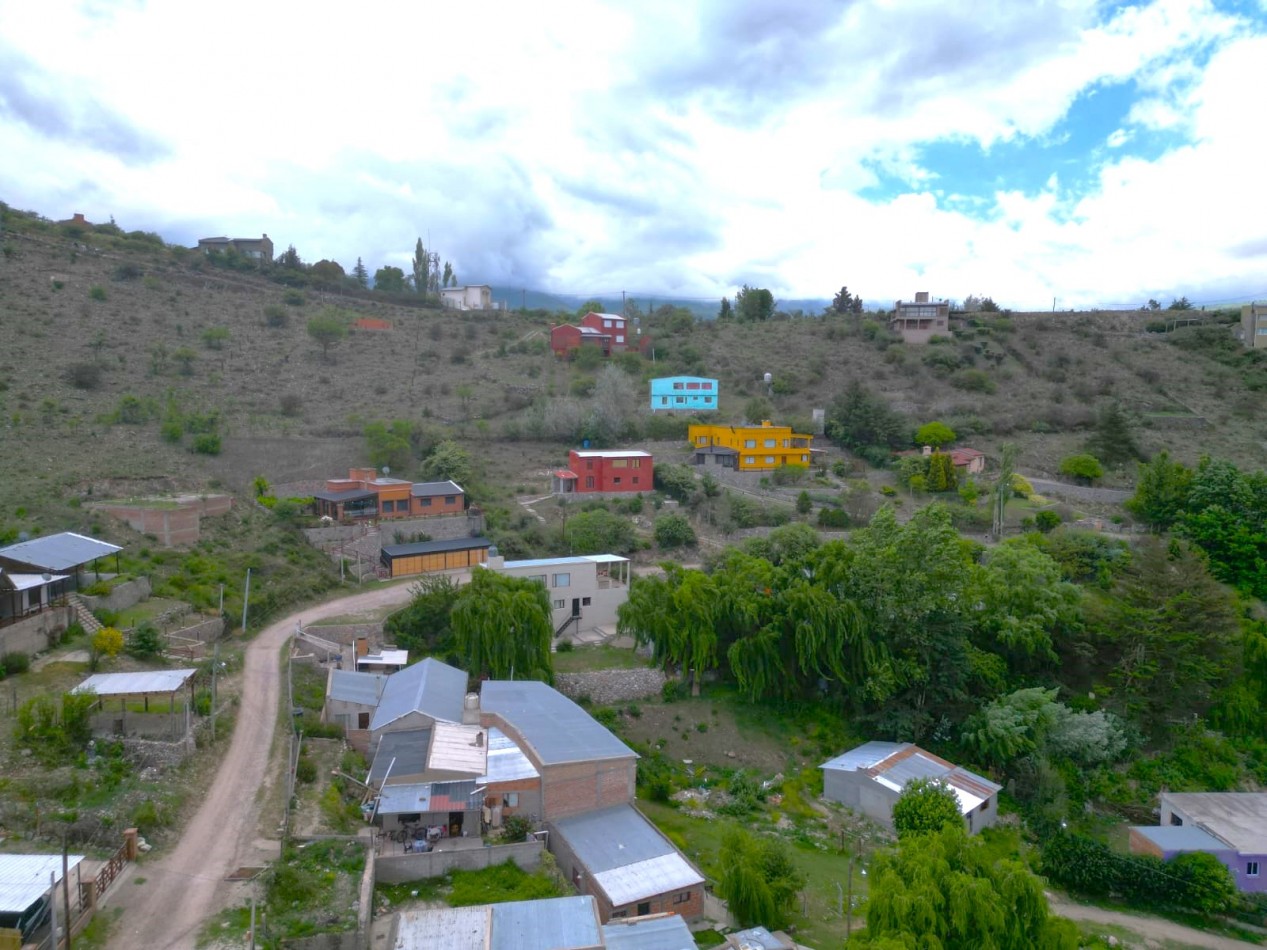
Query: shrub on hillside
point(206, 444)
point(973, 381)
point(673, 531)
point(84, 375)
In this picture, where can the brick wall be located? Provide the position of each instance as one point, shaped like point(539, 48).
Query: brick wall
point(586, 786)
point(399, 868)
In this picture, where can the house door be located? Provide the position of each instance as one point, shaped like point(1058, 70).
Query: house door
point(455, 824)
point(576, 606)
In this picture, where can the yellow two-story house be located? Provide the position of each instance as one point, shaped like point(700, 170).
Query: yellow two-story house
point(749, 448)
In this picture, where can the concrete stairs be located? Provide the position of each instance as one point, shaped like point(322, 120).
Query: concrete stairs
point(86, 620)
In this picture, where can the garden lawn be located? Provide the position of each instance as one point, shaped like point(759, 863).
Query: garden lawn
point(588, 658)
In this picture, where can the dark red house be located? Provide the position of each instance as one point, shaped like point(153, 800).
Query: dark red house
point(618, 470)
point(607, 331)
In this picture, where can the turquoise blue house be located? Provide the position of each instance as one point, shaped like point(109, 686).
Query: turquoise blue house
point(683, 393)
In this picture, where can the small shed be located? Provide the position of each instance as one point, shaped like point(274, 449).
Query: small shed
point(128, 688)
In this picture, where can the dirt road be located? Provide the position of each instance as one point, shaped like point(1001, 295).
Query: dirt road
point(1156, 930)
point(188, 885)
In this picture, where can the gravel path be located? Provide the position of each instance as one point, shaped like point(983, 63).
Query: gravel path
point(1110, 496)
point(1155, 929)
point(188, 885)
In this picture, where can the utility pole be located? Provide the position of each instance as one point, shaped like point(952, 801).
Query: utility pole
point(52, 906)
point(623, 308)
point(215, 668)
point(246, 598)
point(65, 889)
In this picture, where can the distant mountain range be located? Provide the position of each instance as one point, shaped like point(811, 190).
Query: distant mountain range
point(515, 297)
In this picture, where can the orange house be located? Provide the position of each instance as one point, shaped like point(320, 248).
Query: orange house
point(366, 494)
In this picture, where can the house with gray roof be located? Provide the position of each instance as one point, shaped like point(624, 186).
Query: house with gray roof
point(351, 699)
point(1232, 826)
point(581, 763)
point(621, 859)
point(870, 779)
point(418, 697)
point(64, 553)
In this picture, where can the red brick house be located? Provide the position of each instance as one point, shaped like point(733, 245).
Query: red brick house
point(594, 470)
point(366, 494)
point(607, 331)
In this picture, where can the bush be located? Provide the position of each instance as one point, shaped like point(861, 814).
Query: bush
point(832, 518)
point(673, 531)
point(14, 663)
point(275, 316)
point(1085, 468)
point(293, 298)
point(97, 293)
point(207, 444)
point(127, 272)
point(565, 646)
point(1046, 521)
point(306, 770)
point(145, 641)
point(973, 381)
point(84, 375)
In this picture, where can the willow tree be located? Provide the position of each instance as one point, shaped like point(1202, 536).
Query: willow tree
point(502, 627)
point(678, 616)
point(1003, 488)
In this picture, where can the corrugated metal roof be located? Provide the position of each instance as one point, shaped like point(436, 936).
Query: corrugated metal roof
point(758, 938)
point(363, 689)
point(560, 923)
point(407, 748)
point(453, 928)
point(384, 658)
point(625, 854)
point(58, 552)
point(458, 748)
point(649, 933)
point(564, 561)
point(864, 756)
point(352, 494)
point(433, 797)
point(611, 453)
point(911, 768)
point(422, 489)
point(28, 581)
point(430, 687)
point(556, 729)
point(645, 879)
point(435, 547)
point(24, 878)
point(134, 684)
point(1239, 818)
point(506, 761)
point(1181, 838)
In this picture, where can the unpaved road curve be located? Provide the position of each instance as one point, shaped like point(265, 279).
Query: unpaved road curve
point(1155, 929)
point(188, 885)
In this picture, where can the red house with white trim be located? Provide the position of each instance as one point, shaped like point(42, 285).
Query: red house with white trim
point(615, 470)
point(607, 331)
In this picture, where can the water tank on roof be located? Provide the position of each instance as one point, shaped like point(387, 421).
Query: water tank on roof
point(769, 378)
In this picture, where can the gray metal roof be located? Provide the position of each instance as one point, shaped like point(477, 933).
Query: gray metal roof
point(560, 923)
point(1181, 838)
point(434, 547)
point(506, 761)
point(423, 489)
point(11, 581)
point(352, 494)
point(453, 928)
point(625, 854)
point(24, 878)
point(58, 552)
point(648, 933)
point(429, 687)
point(429, 798)
point(556, 729)
point(864, 756)
point(407, 748)
point(1239, 818)
point(363, 689)
point(134, 684)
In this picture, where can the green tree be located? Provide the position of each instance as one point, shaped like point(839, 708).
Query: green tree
point(804, 504)
point(725, 312)
point(145, 641)
point(859, 418)
point(106, 642)
point(673, 531)
point(185, 358)
point(754, 304)
point(599, 532)
point(948, 891)
point(502, 626)
point(936, 434)
point(1047, 521)
point(426, 626)
point(1180, 303)
point(448, 461)
point(389, 444)
point(328, 328)
point(1003, 489)
point(215, 337)
point(678, 615)
point(1161, 492)
point(941, 472)
point(590, 306)
point(846, 303)
point(389, 279)
point(1113, 440)
point(1085, 468)
point(421, 269)
point(328, 273)
point(360, 274)
point(925, 806)
point(1210, 886)
point(759, 880)
point(449, 277)
point(1022, 602)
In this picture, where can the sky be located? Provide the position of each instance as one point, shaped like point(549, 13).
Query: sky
point(1047, 153)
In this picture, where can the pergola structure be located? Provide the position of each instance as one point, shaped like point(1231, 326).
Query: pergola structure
point(142, 685)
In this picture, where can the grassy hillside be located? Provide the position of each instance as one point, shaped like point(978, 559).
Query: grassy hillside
point(108, 335)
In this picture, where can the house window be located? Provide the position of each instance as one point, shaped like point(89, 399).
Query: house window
point(620, 463)
point(708, 385)
point(539, 578)
point(607, 324)
point(692, 385)
point(617, 914)
point(389, 506)
point(771, 443)
point(635, 463)
point(682, 898)
point(362, 720)
point(678, 385)
point(450, 499)
point(616, 481)
point(664, 400)
point(985, 805)
point(708, 399)
point(644, 908)
point(749, 443)
point(749, 460)
point(681, 399)
point(635, 479)
point(560, 604)
point(562, 580)
point(589, 464)
point(1175, 819)
point(589, 481)
point(426, 502)
point(1251, 869)
point(585, 601)
point(511, 799)
point(620, 338)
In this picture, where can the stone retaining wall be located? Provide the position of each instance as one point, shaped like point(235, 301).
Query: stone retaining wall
point(121, 596)
point(37, 633)
point(605, 687)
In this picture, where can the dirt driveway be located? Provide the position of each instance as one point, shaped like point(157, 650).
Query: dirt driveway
point(1158, 931)
point(188, 885)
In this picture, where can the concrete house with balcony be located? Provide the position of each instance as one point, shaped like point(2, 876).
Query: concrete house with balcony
point(870, 779)
point(604, 470)
point(920, 320)
point(585, 591)
point(1232, 826)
